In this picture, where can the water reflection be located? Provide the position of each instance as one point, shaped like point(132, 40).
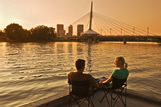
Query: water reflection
point(89, 65)
point(39, 70)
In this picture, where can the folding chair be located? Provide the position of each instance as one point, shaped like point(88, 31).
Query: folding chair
point(116, 92)
point(80, 92)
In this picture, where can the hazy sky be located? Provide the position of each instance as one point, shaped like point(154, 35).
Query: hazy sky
point(31, 13)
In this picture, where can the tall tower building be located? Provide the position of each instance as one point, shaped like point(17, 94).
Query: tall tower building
point(70, 30)
point(60, 30)
point(80, 29)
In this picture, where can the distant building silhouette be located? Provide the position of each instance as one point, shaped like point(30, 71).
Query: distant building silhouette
point(60, 30)
point(70, 30)
point(80, 29)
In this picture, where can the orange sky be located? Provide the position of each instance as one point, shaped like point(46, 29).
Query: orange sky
point(31, 13)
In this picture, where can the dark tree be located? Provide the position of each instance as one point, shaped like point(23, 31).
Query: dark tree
point(42, 33)
point(1, 33)
point(3, 37)
point(15, 32)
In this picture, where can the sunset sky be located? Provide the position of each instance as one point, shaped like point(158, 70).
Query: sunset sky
point(31, 13)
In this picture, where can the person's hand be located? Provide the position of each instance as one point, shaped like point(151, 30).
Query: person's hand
point(100, 82)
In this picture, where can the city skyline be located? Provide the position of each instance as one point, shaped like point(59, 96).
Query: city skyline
point(31, 13)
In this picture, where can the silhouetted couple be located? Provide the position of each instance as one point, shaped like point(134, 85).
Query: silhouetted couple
point(121, 73)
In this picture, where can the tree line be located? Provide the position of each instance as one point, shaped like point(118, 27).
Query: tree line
point(16, 33)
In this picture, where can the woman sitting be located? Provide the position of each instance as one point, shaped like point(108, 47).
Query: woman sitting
point(121, 72)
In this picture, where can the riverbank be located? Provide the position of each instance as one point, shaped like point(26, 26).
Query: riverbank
point(63, 98)
point(5, 39)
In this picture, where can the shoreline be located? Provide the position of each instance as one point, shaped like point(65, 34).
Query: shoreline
point(63, 98)
point(79, 41)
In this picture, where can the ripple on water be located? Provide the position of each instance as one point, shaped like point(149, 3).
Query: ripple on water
point(31, 71)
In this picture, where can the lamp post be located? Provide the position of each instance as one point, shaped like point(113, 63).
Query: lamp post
point(147, 31)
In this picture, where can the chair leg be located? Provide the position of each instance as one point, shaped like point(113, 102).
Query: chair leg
point(90, 102)
point(123, 100)
point(125, 96)
point(118, 96)
point(77, 101)
point(69, 101)
point(103, 97)
point(111, 99)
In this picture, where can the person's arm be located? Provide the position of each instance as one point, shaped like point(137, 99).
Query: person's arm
point(93, 82)
point(108, 80)
point(114, 74)
point(69, 81)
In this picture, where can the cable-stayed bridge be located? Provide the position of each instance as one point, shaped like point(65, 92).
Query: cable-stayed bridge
point(100, 27)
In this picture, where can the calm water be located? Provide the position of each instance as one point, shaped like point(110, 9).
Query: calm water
point(32, 71)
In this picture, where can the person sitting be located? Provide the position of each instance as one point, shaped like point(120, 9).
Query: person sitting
point(120, 73)
point(80, 75)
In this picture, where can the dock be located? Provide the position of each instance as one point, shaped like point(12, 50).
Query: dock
point(62, 100)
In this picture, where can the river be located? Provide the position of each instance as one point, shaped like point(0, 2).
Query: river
point(32, 71)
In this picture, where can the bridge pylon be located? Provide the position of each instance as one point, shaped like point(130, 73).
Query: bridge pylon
point(90, 34)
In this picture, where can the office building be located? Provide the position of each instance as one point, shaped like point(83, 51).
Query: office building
point(60, 30)
point(70, 30)
point(80, 29)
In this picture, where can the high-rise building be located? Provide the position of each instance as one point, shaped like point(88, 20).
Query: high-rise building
point(70, 30)
point(80, 29)
point(60, 30)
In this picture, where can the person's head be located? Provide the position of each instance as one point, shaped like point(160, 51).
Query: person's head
point(120, 62)
point(80, 65)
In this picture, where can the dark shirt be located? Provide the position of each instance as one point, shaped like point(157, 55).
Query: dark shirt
point(81, 76)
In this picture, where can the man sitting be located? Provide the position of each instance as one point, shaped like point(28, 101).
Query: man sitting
point(79, 75)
